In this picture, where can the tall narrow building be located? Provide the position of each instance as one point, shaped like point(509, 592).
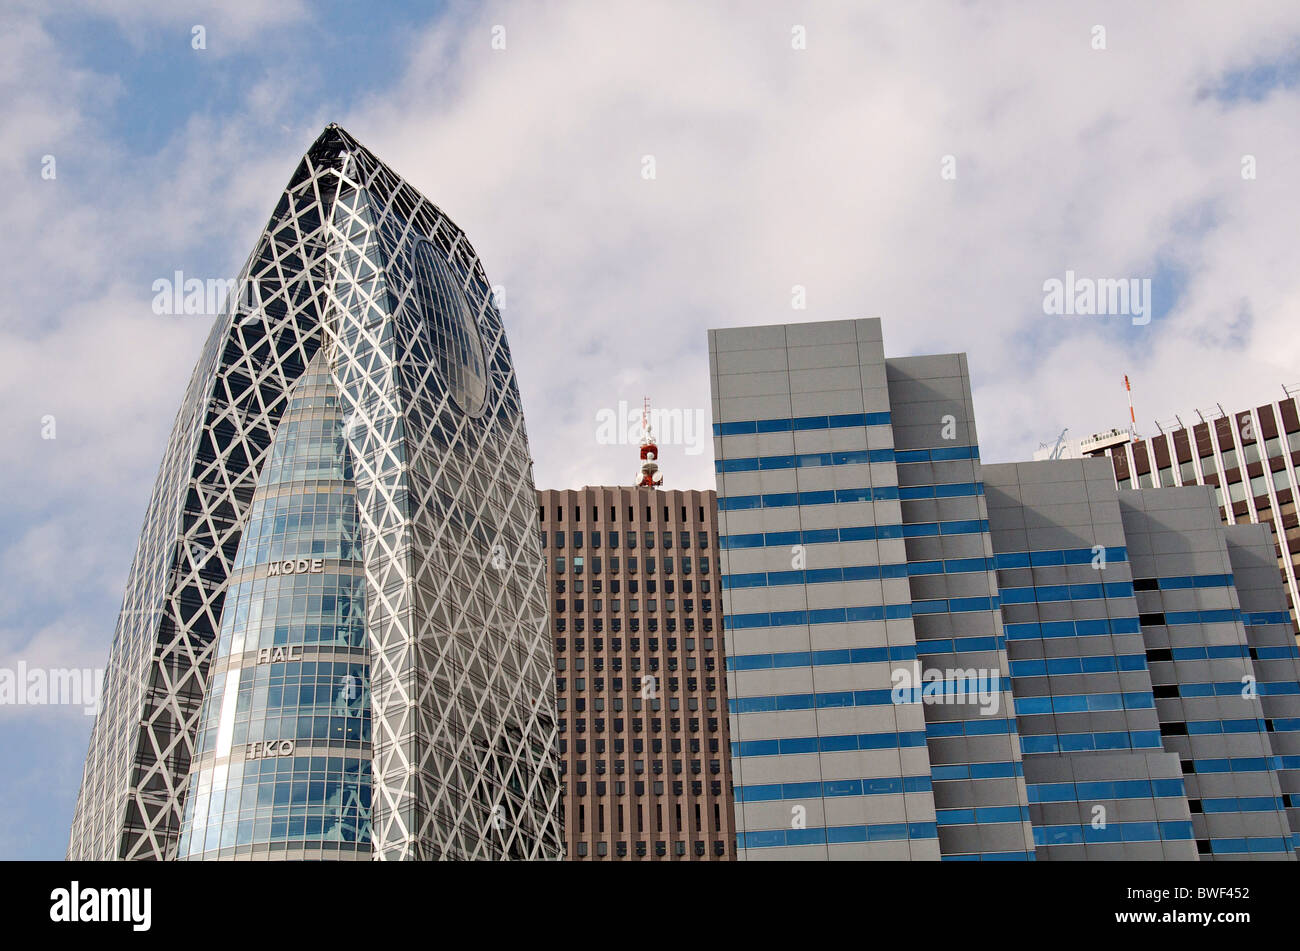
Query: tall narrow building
point(334, 640)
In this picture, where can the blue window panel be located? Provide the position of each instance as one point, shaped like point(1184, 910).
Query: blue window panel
point(1064, 665)
point(844, 834)
point(951, 728)
point(733, 429)
point(925, 568)
point(1112, 832)
point(831, 657)
point(1040, 559)
point(1118, 589)
point(960, 565)
point(1028, 668)
point(921, 530)
point(773, 426)
point(1021, 632)
point(810, 422)
point(842, 787)
point(1027, 706)
point(934, 647)
point(876, 787)
point(1085, 592)
point(1013, 560)
point(929, 607)
point(867, 613)
point(763, 839)
point(792, 659)
point(1145, 739)
point(1058, 835)
point(1052, 592)
point(982, 643)
point(877, 741)
point(986, 727)
point(735, 465)
point(888, 832)
point(805, 837)
point(794, 745)
point(766, 793)
point(737, 503)
point(837, 744)
point(949, 817)
point(780, 539)
point(828, 497)
point(815, 537)
point(1057, 628)
point(1140, 831)
point(861, 573)
point(851, 419)
point(1125, 625)
point(963, 526)
point(801, 790)
point(961, 605)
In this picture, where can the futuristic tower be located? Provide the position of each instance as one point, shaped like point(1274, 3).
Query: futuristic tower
point(333, 642)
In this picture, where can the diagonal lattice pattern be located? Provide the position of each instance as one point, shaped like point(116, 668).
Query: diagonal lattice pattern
point(357, 262)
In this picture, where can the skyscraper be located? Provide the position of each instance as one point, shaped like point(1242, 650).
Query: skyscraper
point(637, 627)
point(929, 658)
point(1251, 458)
point(333, 642)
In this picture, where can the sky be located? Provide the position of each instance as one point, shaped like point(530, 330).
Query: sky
point(631, 174)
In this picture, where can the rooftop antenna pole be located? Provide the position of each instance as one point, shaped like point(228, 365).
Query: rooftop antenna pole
point(1132, 418)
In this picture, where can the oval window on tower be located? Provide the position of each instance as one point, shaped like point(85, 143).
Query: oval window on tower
point(451, 328)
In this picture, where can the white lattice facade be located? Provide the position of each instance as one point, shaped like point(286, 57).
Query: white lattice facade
point(360, 276)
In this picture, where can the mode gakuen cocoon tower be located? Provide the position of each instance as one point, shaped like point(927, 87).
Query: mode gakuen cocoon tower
point(334, 640)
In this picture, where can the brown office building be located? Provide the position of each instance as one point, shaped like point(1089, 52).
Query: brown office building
point(1251, 458)
point(636, 618)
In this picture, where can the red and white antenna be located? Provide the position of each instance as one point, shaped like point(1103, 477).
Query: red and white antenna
point(649, 474)
point(1133, 423)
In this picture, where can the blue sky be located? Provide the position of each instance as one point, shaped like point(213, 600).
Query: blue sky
point(775, 167)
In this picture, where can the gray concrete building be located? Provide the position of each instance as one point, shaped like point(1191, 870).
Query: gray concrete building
point(928, 658)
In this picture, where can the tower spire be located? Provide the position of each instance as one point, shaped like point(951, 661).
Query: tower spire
point(650, 474)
